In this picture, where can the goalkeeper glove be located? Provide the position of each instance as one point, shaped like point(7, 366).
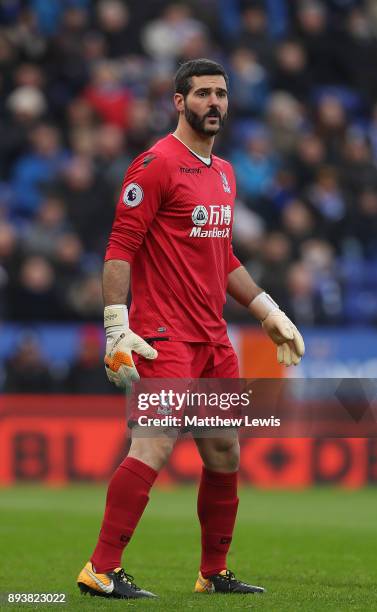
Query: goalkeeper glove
point(120, 342)
point(290, 343)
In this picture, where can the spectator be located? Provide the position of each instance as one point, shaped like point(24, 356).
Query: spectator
point(87, 198)
point(27, 101)
point(24, 107)
point(319, 257)
point(34, 295)
point(195, 46)
point(27, 38)
point(80, 114)
point(359, 45)
point(364, 223)
point(68, 261)
point(284, 189)
point(303, 304)
point(142, 129)
point(276, 255)
point(50, 223)
point(165, 38)
point(85, 298)
point(82, 142)
point(291, 73)
point(318, 42)
point(285, 121)
point(331, 124)
point(107, 96)
point(94, 48)
point(254, 34)
point(298, 223)
point(326, 196)
point(47, 15)
point(37, 169)
point(70, 70)
point(111, 160)
point(120, 34)
point(248, 80)
point(9, 256)
point(357, 169)
point(160, 94)
point(27, 371)
point(8, 60)
point(255, 164)
point(85, 374)
point(29, 75)
point(307, 159)
point(248, 231)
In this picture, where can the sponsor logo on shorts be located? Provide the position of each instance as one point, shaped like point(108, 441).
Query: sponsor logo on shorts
point(164, 408)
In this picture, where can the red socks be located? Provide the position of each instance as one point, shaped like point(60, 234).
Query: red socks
point(217, 509)
point(127, 497)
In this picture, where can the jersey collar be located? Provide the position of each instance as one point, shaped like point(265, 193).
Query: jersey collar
point(206, 161)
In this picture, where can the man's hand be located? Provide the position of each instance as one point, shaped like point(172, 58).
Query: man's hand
point(281, 330)
point(120, 342)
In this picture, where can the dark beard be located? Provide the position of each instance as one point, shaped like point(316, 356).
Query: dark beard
point(197, 123)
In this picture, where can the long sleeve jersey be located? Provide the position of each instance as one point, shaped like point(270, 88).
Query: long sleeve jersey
point(173, 224)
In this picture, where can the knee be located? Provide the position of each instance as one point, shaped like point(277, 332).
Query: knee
point(153, 451)
point(224, 455)
point(231, 452)
point(162, 450)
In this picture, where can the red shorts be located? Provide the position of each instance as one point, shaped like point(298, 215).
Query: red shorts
point(181, 360)
point(189, 360)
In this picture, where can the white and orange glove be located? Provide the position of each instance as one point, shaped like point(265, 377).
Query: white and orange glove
point(290, 343)
point(120, 342)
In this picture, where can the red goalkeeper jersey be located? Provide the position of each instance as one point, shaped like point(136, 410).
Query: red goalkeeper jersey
point(173, 224)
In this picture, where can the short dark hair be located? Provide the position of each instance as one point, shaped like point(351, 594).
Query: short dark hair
point(198, 67)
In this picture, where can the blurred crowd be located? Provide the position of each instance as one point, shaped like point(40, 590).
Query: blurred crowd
point(85, 86)
point(29, 369)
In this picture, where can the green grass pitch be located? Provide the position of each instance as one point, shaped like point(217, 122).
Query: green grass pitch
point(312, 550)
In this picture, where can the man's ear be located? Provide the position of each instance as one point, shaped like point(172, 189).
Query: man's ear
point(179, 102)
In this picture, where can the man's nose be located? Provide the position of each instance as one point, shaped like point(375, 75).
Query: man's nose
point(213, 100)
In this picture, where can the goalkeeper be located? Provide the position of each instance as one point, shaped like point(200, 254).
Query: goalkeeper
point(171, 239)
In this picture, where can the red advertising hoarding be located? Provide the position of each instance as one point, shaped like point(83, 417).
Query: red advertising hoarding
point(60, 439)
